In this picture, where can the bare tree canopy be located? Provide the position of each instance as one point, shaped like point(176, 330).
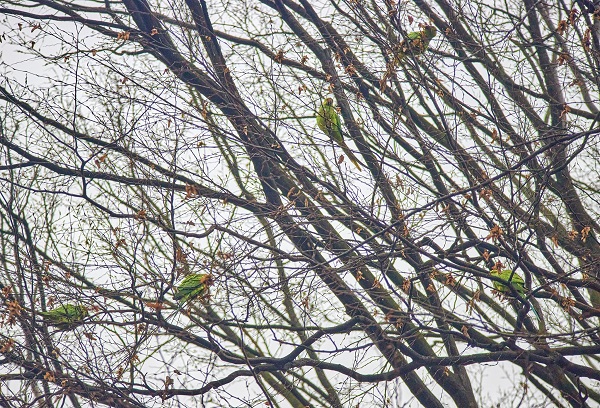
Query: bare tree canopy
point(299, 203)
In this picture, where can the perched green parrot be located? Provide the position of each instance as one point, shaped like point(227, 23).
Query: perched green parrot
point(193, 286)
point(517, 282)
point(415, 43)
point(328, 121)
point(66, 317)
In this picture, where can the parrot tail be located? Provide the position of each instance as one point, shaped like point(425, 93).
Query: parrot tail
point(353, 159)
point(350, 155)
point(531, 309)
point(535, 311)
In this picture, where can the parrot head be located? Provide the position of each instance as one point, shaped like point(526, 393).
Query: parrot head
point(328, 101)
point(430, 31)
point(83, 312)
point(75, 312)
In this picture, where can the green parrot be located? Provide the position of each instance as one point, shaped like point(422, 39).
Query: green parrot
point(415, 43)
point(328, 121)
point(193, 286)
point(517, 282)
point(66, 317)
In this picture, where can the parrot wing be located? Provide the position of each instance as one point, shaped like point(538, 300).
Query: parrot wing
point(415, 35)
point(516, 280)
point(192, 286)
point(322, 121)
point(334, 124)
point(328, 119)
point(66, 316)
